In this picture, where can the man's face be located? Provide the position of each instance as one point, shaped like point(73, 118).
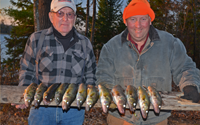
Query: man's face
point(138, 27)
point(63, 20)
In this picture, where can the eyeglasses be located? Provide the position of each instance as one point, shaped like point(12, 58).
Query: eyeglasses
point(61, 14)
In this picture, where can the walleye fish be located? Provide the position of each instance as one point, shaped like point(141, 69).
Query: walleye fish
point(39, 94)
point(155, 99)
point(131, 96)
point(60, 92)
point(81, 95)
point(69, 96)
point(119, 98)
point(29, 94)
point(50, 93)
point(92, 97)
point(105, 98)
point(143, 101)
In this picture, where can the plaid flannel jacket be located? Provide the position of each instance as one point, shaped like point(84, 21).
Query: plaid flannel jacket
point(55, 65)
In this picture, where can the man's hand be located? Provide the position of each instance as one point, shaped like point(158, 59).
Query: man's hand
point(191, 93)
point(21, 106)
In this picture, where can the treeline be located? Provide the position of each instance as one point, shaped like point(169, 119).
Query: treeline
point(178, 17)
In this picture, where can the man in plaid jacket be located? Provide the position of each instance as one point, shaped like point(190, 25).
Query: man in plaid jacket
point(65, 57)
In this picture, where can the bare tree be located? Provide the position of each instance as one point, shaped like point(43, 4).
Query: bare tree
point(44, 9)
point(36, 15)
point(87, 18)
point(93, 22)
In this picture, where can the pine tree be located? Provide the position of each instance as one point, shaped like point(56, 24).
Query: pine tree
point(109, 21)
point(24, 26)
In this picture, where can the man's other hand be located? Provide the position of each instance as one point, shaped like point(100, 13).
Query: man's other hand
point(191, 93)
point(21, 106)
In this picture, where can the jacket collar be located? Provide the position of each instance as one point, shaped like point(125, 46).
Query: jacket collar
point(153, 34)
point(78, 35)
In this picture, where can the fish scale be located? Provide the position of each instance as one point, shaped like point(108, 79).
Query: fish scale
point(39, 94)
point(69, 96)
point(143, 101)
point(60, 92)
point(81, 95)
point(29, 94)
point(92, 97)
point(49, 94)
point(132, 98)
point(105, 97)
point(155, 99)
point(119, 98)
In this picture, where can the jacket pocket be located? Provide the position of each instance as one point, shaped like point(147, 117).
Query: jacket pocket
point(156, 82)
point(46, 61)
point(77, 62)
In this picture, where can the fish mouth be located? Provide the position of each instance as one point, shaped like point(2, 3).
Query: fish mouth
point(88, 107)
point(36, 103)
point(65, 106)
point(156, 108)
point(121, 109)
point(144, 113)
point(46, 102)
point(79, 104)
point(27, 103)
point(132, 108)
point(105, 108)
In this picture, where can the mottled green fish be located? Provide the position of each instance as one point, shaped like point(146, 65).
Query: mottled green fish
point(81, 95)
point(131, 96)
point(92, 97)
point(49, 94)
point(29, 94)
point(155, 99)
point(39, 94)
point(60, 92)
point(69, 96)
point(143, 101)
point(119, 98)
point(105, 97)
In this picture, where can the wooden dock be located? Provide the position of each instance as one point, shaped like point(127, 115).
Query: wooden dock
point(172, 100)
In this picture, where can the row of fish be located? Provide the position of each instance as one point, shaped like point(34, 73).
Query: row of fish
point(66, 93)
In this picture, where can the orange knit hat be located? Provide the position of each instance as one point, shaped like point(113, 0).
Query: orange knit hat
point(138, 7)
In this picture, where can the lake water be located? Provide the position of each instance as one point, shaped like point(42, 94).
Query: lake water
point(3, 47)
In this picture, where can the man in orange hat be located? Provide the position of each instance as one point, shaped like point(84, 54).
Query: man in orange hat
point(143, 55)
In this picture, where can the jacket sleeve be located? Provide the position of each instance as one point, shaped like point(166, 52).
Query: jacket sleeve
point(27, 63)
point(183, 69)
point(90, 67)
point(105, 68)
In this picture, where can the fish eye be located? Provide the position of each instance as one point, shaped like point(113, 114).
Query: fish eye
point(28, 100)
point(146, 111)
point(67, 103)
point(134, 104)
point(45, 96)
point(50, 99)
point(38, 100)
point(80, 101)
point(107, 106)
point(124, 106)
point(90, 105)
point(159, 106)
